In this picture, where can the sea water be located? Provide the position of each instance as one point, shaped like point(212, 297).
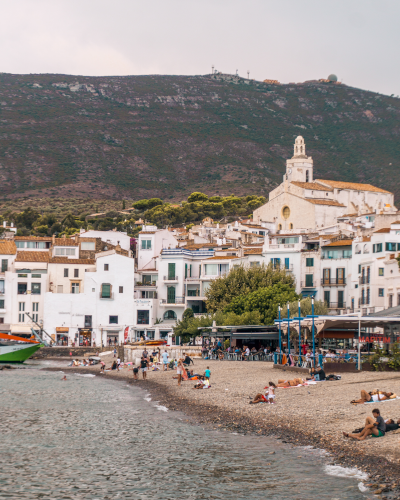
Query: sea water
point(95, 438)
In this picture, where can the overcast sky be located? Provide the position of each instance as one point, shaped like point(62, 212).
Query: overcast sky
point(287, 40)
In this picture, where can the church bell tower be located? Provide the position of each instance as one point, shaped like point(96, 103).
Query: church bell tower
point(300, 167)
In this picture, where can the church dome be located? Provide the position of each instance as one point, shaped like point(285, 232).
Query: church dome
point(332, 78)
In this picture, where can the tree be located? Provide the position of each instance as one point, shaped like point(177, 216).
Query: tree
point(69, 221)
point(241, 281)
point(264, 300)
point(196, 196)
point(123, 204)
point(27, 218)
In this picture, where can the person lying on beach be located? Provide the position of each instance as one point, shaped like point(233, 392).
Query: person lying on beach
point(200, 383)
point(374, 426)
point(290, 383)
point(373, 396)
point(391, 425)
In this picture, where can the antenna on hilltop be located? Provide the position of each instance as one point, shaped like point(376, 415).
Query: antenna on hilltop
point(248, 74)
point(237, 72)
point(212, 71)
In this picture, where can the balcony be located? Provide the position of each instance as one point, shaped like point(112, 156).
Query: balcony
point(177, 301)
point(364, 280)
point(146, 284)
point(333, 281)
point(170, 278)
point(336, 305)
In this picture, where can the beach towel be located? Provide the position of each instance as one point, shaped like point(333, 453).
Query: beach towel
point(385, 401)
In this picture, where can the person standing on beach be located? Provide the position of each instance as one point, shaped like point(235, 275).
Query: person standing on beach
point(271, 392)
point(118, 363)
point(143, 367)
point(165, 360)
point(179, 371)
point(207, 373)
point(135, 373)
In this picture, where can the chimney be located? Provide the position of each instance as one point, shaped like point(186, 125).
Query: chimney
point(4, 224)
point(53, 239)
point(12, 224)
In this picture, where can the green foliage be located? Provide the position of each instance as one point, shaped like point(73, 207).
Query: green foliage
point(264, 300)
point(381, 357)
point(305, 308)
point(197, 197)
point(242, 281)
point(143, 205)
point(26, 218)
point(42, 230)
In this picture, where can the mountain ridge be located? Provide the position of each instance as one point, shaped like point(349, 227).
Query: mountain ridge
point(142, 136)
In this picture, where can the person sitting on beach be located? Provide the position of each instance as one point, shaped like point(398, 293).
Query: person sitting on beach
point(114, 366)
point(374, 426)
point(187, 360)
point(373, 396)
point(317, 374)
point(268, 397)
point(290, 383)
point(102, 366)
point(200, 383)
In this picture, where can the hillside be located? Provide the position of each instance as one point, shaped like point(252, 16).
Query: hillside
point(166, 136)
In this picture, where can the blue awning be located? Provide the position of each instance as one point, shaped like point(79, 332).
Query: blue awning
point(308, 293)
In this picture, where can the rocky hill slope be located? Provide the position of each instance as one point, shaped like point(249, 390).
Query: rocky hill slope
point(166, 136)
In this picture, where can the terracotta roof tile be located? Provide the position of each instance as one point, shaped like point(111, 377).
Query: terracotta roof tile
point(32, 256)
point(397, 222)
point(353, 185)
point(224, 257)
point(8, 247)
point(147, 232)
point(339, 243)
point(32, 238)
point(253, 251)
point(311, 185)
point(333, 203)
point(65, 260)
point(383, 230)
point(65, 242)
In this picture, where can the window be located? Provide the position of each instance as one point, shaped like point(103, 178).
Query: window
point(88, 245)
point(76, 273)
point(65, 251)
point(113, 320)
point(307, 175)
point(22, 275)
point(1, 286)
point(2, 304)
point(368, 296)
point(254, 264)
point(381, 292)
point(286, 212)
point(35, 310)
point(75, 288)
point(340, 276)
point(390, 247)
point(35, 288)
point(326, 280)
point(143, 317)
point(88, 321)
point(150, 334)
point(309, 280)
point(310, 262)
point(290, 226)
point(106, 267)
point(170, 315)
point(4, 265)
point(20, 244)
point(377, 247)
point(279, 227)
point(22, 287)
point(31, 244)
point(390, 300)
point(171, 295)
point(381, 271)
point(287, 240)
point(146, 245)
point(398, 299)
point(21, 309)
point(106, 291)
point(66, 273)
point(340, 299)
point(121, 289)
point(149, 294)
point(35, 276)
point(276, 262)
point(60, 289)
point(327, 298)
point(359, 268)
point(171, 270)
point(211, 269)
point(287, 263)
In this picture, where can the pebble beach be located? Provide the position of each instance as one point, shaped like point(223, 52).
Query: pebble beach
point(314, 415)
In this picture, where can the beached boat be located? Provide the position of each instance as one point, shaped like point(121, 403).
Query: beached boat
point(150, 342)
point(16, 349)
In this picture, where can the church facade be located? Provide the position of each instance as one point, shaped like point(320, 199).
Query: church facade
point(302, 202)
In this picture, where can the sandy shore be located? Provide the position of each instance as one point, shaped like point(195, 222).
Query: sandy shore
point(314, 415)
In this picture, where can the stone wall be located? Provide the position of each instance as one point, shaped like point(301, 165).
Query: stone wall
point(77, 352)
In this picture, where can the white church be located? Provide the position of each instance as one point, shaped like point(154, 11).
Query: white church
point(302, 202)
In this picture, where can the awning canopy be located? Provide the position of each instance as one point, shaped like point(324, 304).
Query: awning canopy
point(20, 329)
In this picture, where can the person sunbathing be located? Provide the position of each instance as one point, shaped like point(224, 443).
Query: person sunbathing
point(391, 425)
point(374, 426)
point(373, 396)
point(290, 383)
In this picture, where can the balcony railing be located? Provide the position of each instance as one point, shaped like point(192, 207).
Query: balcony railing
point(336, 305)
point(364, 280)
point(146, 283)
point(170, 278)
point(365, 301)
point(176, 300)
point(333, 281)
